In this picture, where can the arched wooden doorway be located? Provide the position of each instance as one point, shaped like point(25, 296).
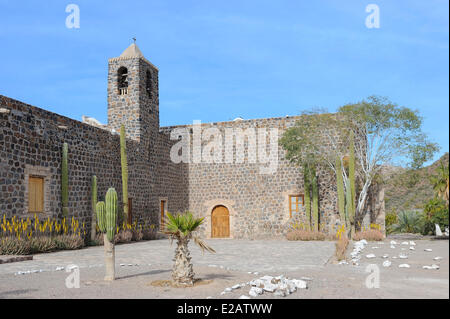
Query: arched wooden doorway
point(220, 222)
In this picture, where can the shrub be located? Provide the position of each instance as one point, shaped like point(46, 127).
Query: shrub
point(408, 222)
point(299, 234)
point(369, 235)
point(341, 247)
point(99, 239)
point(391, 219)
point(43, 244)
point(435, 212)
point(149, 234)
point(137, 234)
point(14, 246)
point(69, 242)
point(123, 236)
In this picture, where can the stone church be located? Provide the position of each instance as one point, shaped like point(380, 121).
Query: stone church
point(236, 199)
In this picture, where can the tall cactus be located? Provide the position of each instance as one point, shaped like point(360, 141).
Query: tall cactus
point(111, 213)
point(93, 204)
point(101, 216)
point(307, 185)
point(107, 219)
point(348, 206)
point(123, 159)
point(340, 190)
point(315, 201)
point(65, 181)
point(351, 175)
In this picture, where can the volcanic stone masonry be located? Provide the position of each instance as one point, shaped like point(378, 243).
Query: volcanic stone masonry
point(257, 205)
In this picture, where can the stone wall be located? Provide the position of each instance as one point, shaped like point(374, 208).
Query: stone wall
point(258, 203)
point(31, 141)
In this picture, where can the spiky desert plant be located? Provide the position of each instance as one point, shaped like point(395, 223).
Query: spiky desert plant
point(340, 190)
point(181, 228)
point(351, 175)
point(123, 159)
point(408, 222)
point(101, 218)
point(94, 204)
point(111, 213)
point(65, 181)
point(315, 201)
point(307, 185)
point(348, 200)
point(107, 219)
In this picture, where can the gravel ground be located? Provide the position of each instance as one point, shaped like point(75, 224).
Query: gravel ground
point(145, 262)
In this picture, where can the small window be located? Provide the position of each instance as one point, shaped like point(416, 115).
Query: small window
point(148, 83)
point(36, 194)
point(122, 80)
point(294, 203)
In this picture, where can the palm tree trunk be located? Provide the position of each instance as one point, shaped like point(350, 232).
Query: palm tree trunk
point(183, 272)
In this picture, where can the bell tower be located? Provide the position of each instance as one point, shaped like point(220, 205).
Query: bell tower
point(133, 97)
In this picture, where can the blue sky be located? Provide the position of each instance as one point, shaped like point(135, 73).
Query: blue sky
point(222, 59)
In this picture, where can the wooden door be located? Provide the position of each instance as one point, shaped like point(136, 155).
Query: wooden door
point(220, 222)
point(35, 194)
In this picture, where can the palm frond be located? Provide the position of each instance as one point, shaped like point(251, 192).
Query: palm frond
point(408, 222)
point(181, 224)
point(203, 246)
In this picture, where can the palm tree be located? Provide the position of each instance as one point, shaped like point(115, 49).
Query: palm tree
point(181, 228)
point(408, 222)
point(441, 182)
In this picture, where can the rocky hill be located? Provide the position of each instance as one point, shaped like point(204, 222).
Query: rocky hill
point(409, 189)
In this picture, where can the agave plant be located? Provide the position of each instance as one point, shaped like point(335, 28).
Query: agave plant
point(181, 228)
point(408, 222)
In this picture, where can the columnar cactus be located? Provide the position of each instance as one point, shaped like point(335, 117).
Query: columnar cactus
point(123, 158)
point(101, 216)
point(315, 201)
point(64, 181)
point(348, 205)
point(351, 175)
point(94, 204)
point(307, 185)
point(107, 219)
point(340, 190)
point(111, 213)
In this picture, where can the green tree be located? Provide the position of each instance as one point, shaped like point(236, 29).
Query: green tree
point(435, 212)
point(440, 182)
point(384, 133)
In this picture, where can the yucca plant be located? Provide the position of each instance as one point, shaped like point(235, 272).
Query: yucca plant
point(181, 228)
point(408, 222)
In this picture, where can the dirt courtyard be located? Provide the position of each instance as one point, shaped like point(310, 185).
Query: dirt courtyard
point(236, 261)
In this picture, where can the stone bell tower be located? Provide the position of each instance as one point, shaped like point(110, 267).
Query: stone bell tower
point(133, 98)
point(134, 102)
